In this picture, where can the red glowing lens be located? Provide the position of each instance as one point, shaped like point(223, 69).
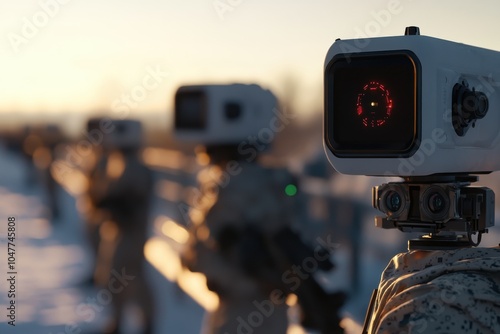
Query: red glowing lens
point(374, 105)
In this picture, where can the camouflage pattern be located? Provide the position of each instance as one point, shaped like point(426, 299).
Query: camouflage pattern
point(453, 291)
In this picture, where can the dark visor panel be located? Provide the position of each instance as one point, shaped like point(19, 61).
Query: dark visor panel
point(190, 111)
point(372, 105)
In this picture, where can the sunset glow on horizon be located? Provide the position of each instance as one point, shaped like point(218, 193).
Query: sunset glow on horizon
point(72, 56)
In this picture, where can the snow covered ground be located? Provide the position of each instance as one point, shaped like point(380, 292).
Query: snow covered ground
point(52, 261)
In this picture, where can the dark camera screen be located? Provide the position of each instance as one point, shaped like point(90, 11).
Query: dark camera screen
point(190, 110)
point(371, 105)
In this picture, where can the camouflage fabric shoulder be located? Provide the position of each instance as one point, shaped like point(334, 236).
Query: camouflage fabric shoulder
point(456, 291)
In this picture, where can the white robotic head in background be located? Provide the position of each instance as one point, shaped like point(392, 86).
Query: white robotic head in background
point(222, 114)
point(125, 134)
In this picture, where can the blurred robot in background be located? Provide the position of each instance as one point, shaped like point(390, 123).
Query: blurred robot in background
point(29, 143)
point(121, 185)
point(242, 237)
point(93, 166)
point(39, 145)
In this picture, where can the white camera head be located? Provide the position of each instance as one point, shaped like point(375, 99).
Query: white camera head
point(411, 106)
point(125, 134)
point(222, 114)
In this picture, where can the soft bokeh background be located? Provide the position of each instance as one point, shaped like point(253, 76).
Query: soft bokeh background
point(64, 61)
point(91, 52)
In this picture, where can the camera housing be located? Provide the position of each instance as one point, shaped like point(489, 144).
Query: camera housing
point(222, 114)
point(411, 106)
point(416, 206)
point(423, 109)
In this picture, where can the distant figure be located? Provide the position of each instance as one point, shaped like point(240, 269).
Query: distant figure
point(40, 144)
point(30, 142)
point(93, 166)
point(243, 238)
point(122, 186)
point(51, 138)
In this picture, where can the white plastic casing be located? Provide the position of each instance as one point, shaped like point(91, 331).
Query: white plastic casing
point(258, 106)
point(440, 149)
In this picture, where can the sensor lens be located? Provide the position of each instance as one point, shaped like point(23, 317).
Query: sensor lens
point(232, 111)
point(393, 201)
point(374, 105)
point(437, 203)
point(371, 106)
point(468, 105)
point(482, 105)
point(434, 204)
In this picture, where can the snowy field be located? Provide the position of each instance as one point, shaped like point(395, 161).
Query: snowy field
point(52, 261)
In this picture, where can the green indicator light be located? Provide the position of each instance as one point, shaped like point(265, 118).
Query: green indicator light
point(291, 190)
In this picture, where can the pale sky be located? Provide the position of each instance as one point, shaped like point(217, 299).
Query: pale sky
point(83, 55)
